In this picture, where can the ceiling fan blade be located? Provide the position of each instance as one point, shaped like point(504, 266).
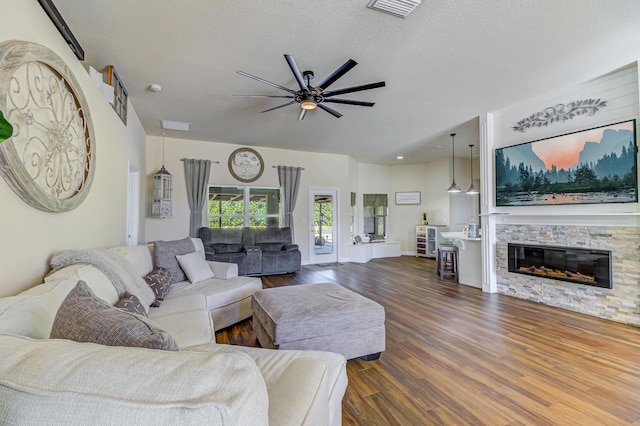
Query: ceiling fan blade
point(263, 96)
point(262, 80)
point(350, 102)
point(279, 106)
point(337, 74)
point(303, 112)
point(331, 111)
point(354, 89)
point(296, 71)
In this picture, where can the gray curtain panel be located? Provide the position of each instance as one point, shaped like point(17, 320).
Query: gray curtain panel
point(289, 182)
point(197, 174)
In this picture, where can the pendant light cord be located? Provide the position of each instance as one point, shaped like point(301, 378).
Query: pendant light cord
point(162, 149)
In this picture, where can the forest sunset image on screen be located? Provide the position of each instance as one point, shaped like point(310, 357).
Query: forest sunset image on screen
point(587, 167)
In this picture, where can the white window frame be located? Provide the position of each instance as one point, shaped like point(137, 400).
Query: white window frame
point(246, 198)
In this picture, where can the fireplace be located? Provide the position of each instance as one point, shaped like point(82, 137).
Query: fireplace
point(576, 265)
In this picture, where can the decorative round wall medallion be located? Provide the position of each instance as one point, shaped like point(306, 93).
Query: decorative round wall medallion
point(246, 165)
point(49, 160)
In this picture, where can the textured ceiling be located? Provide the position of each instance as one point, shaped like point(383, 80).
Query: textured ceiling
point(444, 65)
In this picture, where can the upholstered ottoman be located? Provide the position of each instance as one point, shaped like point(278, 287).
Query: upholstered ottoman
point(325, 317)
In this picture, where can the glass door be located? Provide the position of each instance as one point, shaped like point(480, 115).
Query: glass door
point(323, 221)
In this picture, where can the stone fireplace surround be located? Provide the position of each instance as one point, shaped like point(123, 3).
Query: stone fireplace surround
point(621, 303)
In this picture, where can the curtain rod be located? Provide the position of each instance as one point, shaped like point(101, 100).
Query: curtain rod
point(275, 167)
point(214, 162)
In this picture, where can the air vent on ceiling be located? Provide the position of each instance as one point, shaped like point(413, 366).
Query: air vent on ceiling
point(399, 8)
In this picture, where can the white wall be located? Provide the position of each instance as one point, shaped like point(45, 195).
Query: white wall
point(431, 180)
point(320, 171)
point(31, 236)
point(437, 198)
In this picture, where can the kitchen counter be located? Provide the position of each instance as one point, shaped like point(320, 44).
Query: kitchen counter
point(458, 236)
point(469, 258)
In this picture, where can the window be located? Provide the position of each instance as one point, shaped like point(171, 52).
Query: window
point(375, 214)
point(238, 206)
point(352, 214)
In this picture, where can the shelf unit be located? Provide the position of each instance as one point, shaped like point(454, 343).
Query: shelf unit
point(427, 240)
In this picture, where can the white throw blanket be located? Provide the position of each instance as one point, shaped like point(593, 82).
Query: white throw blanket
point(121, 273)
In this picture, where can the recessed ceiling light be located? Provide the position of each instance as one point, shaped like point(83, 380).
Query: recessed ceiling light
point(400, 157)
point(439, 146)
point(155, 87)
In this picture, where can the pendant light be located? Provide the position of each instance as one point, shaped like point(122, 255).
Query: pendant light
point(472, 188)
point(454, 186)
point(161, 205)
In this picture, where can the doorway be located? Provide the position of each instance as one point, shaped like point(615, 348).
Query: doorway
point(323, 211)
point(133, 203)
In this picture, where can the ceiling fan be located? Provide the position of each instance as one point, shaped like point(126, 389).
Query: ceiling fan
point(309, 97)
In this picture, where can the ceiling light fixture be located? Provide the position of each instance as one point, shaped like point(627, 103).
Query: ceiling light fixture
point(175, 125)
point(472, 188)
point(308, 102)
point(454, 186)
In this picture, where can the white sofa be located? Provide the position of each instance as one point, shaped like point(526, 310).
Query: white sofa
point(227, 296)
point(57, 381)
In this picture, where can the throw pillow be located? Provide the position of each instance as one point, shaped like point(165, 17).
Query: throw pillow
point(83, 317)
point(159, 280)
point(130, 303)
point(166, 252)
point(196, 268)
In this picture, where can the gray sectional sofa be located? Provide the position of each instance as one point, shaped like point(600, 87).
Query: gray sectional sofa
point(256, 251)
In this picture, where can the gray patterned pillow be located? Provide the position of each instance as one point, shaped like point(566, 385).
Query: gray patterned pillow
point(159, 280)
point(166, 252)
point(130, 303)
point(83, 317)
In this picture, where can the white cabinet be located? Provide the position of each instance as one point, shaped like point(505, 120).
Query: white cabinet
point(421, 241)
point(469, 258)
point(427, 239)
point(362, 253)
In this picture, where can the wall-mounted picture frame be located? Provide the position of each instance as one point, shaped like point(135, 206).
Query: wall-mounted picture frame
point(592, 166)
point(408, 198)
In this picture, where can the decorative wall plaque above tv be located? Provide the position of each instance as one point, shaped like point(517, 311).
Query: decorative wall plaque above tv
point(592, 166)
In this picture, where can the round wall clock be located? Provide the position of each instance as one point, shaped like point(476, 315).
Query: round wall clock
point(49, 160)
point(246, 165)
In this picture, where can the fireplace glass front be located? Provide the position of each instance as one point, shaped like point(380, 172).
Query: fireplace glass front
point(577, 265)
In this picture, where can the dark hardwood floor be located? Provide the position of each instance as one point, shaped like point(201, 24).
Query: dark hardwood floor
point(457, 356)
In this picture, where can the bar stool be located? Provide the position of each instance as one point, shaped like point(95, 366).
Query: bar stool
point(447, 262)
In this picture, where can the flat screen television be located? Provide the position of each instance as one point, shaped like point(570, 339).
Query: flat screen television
point(592, 166)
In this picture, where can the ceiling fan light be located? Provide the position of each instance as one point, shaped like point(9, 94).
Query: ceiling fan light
point(454, 186)
point(308, 103)
point(472, 188)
